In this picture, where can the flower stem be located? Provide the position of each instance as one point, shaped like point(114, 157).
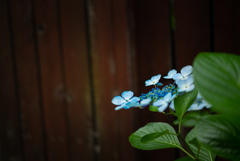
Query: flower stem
point(181, 138)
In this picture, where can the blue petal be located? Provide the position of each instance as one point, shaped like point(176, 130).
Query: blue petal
point(127, 95)
point(148, 82)
point(134, 99)
point(156, 78)
point(162, 108)
point(185, 71)
point(119, 107)
point(133, 104)
point(118, 100)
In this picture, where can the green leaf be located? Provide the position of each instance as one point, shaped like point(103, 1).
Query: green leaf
point(153, 136)
point(187, 158)
point(182, 103)
point(190, 119)
point(204, 153)
point(162, 142)
point(217, 76)
point(153, 108)
point(220, 135)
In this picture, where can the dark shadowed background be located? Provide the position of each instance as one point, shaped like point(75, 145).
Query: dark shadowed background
point(62, 62)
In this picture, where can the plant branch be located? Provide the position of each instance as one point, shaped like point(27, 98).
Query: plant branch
point(180, 137)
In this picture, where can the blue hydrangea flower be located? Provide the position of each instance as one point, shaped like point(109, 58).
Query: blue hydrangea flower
point(156, 93)
point(170, 74)
point(185, 85)
point(163, 103)
point(143, 103)
point(127, 96)
point(185, 73)
point(153, 81)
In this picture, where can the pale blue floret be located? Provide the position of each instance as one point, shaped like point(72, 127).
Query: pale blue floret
point(162, 104)
point(170, 74)
point(127, 96)
point(142, 103)
point(153, 81)
point(185, 85)
point(184, 73)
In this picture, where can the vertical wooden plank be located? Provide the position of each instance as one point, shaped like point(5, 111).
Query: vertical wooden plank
point(110, 72)
point(226, 26)
point(51, 80)
point(74, 44)
point(31, 116)
point(10, 128)
point(192, 34)
point(153, 53)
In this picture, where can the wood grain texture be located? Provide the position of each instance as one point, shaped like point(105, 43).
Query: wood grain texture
point(192, 33)
point(110, 76)
point(226, 24)
point(10, 125)
point(27, 80)
point(52, 84)
point(76, 67)
point(153, 56)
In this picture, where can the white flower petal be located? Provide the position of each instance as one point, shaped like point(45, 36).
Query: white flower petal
point(118, 100)
point(156, 78)
point(145, 102)
point(170, 74)
point(127, 95)
point(159, 103)
point(190, 88)
point(187, 70)
point(189, 80)
point(148, 82)
point(167, 97)
point(177, 76)
point(172, 105)
point(163, 107)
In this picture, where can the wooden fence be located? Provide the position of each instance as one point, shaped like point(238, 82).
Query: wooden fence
point(62, 61)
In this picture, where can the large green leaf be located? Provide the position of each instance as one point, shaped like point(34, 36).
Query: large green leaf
point(187, 158)
point(182, 103)
point(204, 153)
point(217, 77)
point(162, 142)
point(220, 135)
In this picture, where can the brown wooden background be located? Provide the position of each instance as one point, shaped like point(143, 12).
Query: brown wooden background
point(62, 61)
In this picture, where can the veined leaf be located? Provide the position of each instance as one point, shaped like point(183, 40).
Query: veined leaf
point(162, 142)
point(217, 77)
point(220, 135)
point(182, 103)
point(152, 136)
point(204, 153)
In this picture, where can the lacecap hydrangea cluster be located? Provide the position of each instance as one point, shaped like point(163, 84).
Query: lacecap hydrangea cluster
point(162, 98)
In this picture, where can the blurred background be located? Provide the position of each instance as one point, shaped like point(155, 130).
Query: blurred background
point(62, 62)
